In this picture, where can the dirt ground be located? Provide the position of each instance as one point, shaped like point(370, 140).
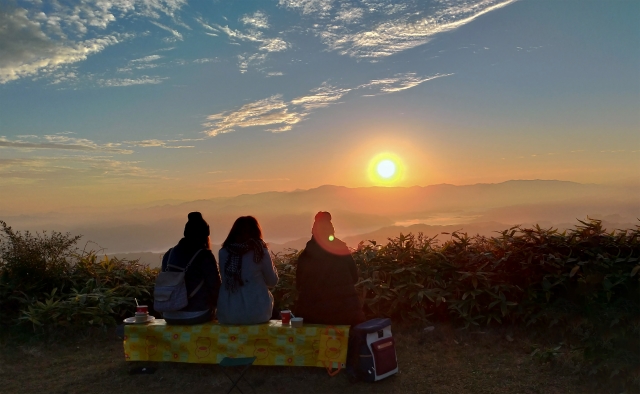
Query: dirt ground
point(444, 360)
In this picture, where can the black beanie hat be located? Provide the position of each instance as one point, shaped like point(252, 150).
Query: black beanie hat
point(196, 227)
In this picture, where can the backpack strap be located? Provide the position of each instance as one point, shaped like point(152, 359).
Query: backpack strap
point(185, 270)
point(188, 264)
point(191, 261)
point(169, 259)
point(196, 289)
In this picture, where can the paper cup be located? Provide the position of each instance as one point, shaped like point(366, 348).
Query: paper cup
point(286, 316)
point(141, 317)
point(296, 322)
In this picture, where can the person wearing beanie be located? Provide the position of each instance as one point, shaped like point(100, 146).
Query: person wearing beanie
point(202, 278)
point(326, 275)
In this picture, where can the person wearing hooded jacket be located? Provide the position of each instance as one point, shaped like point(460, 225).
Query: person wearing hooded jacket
point(326, 275)
point(247, 274)
point(202, 278)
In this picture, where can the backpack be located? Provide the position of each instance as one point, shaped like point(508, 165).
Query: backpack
point(372, 350)
point(170, 291)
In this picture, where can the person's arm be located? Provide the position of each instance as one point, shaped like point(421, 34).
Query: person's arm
point(301, 267)
point(165, 261)
point(353, 268)
point(269, 272)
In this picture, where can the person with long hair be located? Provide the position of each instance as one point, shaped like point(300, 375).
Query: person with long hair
point(326, 275)
point(247, 273)
point(202, 277)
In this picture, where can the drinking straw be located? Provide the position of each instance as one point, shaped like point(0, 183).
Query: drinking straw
point(136, 301)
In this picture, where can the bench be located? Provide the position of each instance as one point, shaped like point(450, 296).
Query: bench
point(272, 343)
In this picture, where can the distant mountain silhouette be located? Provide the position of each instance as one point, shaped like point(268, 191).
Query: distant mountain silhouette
point(287, 217)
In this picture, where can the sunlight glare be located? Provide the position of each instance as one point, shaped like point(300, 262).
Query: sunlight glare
point(386, 168)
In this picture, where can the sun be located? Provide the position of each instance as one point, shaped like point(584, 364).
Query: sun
point(386, 169)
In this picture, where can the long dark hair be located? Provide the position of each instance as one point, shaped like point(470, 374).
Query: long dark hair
point(243, 229)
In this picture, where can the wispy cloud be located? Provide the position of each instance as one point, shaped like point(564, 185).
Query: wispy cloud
point(176, 34)
point(266, 112)
point(155, 143)
point(320, 97)
point(273, 111)
point(146, 59)
point(119, 82)
point(282, 115)
point(391, 28)
point(307, 7)
point(61, 142)
point(400, 82)
point(258, 20)
point(45, 37)
point(71, 168)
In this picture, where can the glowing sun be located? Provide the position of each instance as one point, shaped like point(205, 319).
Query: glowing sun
point(385, 169)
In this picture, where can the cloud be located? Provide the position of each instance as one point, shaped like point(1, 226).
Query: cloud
point(349, 14)
point(282, 115)
point(322, 96)
point(119, 82)
point(244, 61)
point(265, 44)
point(266, 112)
point(71, 169)
point(388, 29)
point(26, 50)
point(147, 59)
point(306, 7)
point(61, 142)
point(46, 37)
point(176, 34)
point(400, 82)
point(154, 143)
point(258, 20)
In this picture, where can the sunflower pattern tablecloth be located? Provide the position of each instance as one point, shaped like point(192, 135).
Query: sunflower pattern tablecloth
point(312, 345)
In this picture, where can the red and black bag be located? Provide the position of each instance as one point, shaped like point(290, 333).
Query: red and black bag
point(373, 350)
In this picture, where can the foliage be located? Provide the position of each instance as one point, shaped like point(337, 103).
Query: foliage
point(582, 283)
point(45, 280)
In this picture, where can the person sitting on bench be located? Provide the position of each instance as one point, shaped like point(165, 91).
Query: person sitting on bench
point(202, 278)
point(247, 273)
point(326, 275)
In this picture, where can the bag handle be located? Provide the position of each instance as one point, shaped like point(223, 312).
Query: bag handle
point(330, 369)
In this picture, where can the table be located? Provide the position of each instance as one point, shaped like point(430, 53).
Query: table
point(313, 345)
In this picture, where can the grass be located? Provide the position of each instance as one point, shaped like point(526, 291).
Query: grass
point(445, 360)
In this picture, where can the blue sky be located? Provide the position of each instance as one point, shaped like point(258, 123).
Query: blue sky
point(127, 101)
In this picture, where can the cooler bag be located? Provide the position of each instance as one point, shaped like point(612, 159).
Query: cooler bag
point(376, 350)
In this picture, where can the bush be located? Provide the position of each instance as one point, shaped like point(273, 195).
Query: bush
point(582, 283)
point(47, 282)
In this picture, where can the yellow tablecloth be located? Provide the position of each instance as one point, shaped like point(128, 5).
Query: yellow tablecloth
point(312, 345)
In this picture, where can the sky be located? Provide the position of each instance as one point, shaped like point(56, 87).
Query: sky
point(124, 102)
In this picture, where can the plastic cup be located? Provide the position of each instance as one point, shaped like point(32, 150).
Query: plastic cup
point(296, 322)
point(142, 309)
point(286, 316)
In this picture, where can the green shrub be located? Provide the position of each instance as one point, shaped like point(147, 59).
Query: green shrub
point(47, 282)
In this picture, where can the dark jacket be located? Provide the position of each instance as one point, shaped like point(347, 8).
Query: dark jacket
point(326, 285)
point(204, 267)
